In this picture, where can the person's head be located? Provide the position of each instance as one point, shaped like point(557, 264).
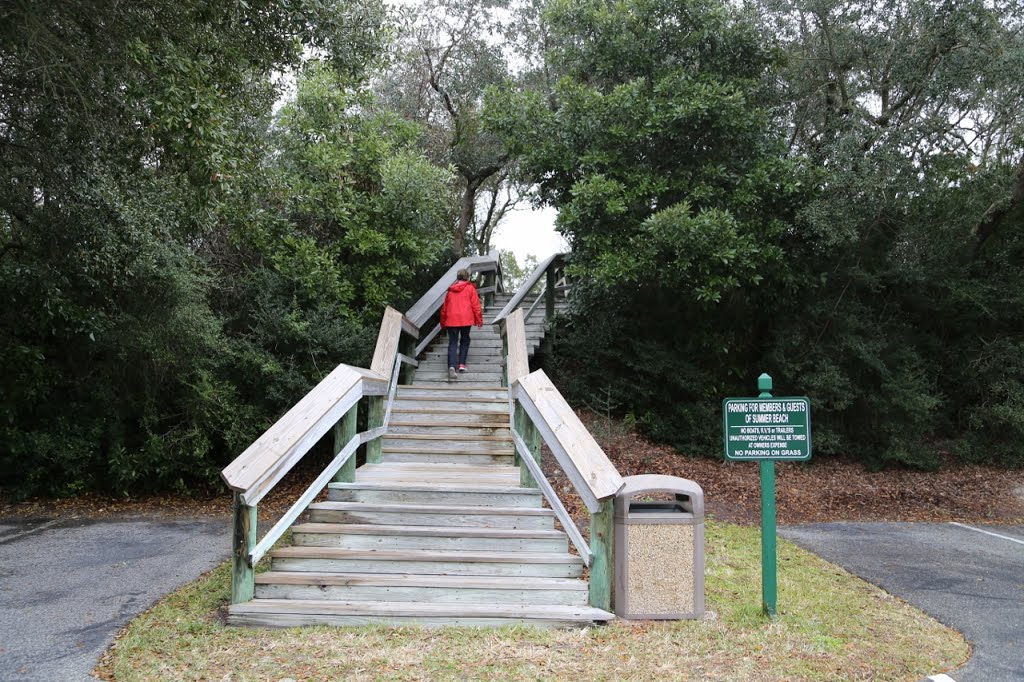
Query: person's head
point(463, 275)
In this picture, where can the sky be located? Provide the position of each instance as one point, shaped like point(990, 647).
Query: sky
point(528, 232)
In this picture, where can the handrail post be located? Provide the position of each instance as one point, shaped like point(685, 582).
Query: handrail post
point(549, 306)
point(243, 576)
point(344, 431)
point(603, 548)
point(490, 280)
point(374, 420)
point(531, 436)
point(406, 346)
point(504, 355)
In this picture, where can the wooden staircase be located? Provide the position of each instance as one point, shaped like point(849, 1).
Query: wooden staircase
point(440, 531)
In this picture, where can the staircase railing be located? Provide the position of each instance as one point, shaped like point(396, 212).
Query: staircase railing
point(552, 271)
point(538, 411)
point(430, 303)
point(333, 404)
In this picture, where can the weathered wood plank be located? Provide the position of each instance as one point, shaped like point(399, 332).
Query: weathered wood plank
point(602, 533)
point(377, 409)
point(242, 541)
point(524, 289)
point(303, 502)
point(568, 525)
point(518, 354)
point(280, 446)
point(431, 301)
point(387, 343)
point(345, 431)
point(585, 464)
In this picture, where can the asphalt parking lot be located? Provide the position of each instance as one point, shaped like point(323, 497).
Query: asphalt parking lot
point(67, 586)
point(968, 576)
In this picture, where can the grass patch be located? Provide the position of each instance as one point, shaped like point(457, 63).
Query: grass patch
point(831, 626)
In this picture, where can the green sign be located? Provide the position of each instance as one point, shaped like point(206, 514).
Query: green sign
point(767, 428)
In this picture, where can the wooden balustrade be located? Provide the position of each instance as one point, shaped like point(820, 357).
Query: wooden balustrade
point(331, 404)
point(537, 408)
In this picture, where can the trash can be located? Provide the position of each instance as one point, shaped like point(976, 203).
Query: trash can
point(659, 549)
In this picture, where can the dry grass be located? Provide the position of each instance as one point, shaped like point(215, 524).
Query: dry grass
point(831, 626)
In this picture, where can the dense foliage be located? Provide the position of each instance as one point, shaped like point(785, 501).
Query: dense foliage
point(177, 266)
point(840, 207)
point(829, 191)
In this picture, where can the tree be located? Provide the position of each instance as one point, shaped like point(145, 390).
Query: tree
point(656, 146)
point(126, 132)
point(451, 53)
point(913, 111)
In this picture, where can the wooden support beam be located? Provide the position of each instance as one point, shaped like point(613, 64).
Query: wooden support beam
point(602, 545)
point(531, 438)
point(549, 309)
point(344, 431)
point(518, 365)
point(407, 347)
point(243, 576)
point(387, 342)
point(375, 420)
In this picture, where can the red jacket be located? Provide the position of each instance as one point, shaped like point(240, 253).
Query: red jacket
point(461, 306)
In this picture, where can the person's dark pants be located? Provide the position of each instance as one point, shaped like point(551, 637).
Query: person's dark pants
point(458, 348)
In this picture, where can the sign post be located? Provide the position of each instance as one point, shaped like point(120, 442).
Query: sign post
point(766, 429)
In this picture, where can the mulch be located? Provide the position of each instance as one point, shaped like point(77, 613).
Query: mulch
point(825, 489)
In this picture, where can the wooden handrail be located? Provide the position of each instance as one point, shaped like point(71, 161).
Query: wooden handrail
point(430, 302)
point(330, 403)
point(255, 472)
point(536, 407)
point(589, 470)
point(530, 282)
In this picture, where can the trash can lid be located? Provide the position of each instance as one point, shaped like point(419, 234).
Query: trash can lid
point(656, 483)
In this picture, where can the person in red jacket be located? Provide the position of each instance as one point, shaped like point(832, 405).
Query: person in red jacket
point(460, 311)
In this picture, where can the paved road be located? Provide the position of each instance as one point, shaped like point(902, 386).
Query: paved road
point(67, 587)
point(969, 580)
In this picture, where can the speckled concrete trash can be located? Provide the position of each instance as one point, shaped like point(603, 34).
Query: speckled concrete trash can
point(659, 549)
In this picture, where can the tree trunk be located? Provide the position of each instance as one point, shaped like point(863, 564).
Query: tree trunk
point(466, 215)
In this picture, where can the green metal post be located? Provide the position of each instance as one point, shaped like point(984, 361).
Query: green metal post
point(769, 580)
point(375, 420)
point(243, 577)
point(344, 431)
point(602, 544)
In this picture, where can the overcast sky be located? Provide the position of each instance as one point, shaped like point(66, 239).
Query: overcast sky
point(526, 232)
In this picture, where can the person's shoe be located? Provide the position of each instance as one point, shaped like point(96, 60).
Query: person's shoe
point(452, 376)
point(462, 369)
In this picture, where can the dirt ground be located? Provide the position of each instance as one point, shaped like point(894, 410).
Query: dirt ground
point(826, 489)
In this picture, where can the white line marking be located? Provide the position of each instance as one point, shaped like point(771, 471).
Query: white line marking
point(988, 532)
point(941, 678)
point(6, 538)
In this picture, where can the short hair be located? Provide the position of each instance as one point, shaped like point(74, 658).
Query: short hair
point(463, 275)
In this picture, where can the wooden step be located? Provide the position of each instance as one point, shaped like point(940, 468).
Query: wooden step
point(448, 392)
point(408, 455)
point(449, 417)
point(444, 538)
point(454, 444)
point(422, 589)
point(413, 472)
point(442, 493)
point(472, 377)
point(451, 428)
point(431, 515)
point(296, 612)
point(450, 405)
point(426, 562)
